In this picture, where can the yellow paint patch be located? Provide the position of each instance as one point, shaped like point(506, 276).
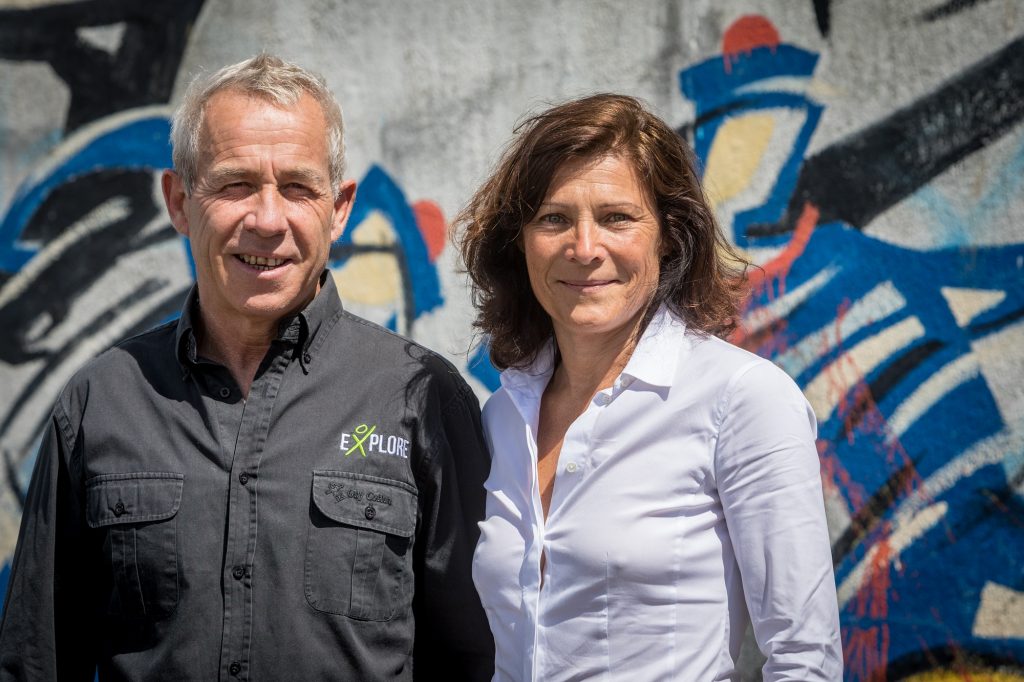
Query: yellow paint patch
point(735, 155)
point(966, 304)
point(1000, 613)
point(372, 278)
point(958, 676)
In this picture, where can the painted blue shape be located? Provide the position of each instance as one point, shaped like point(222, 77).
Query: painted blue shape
point(378, 192)
point(718, 96)
point(709, 85)
point(142, 144)
point(480, 366)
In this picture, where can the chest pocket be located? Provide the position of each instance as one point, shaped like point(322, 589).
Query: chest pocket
point(136, 516)
point(358, 551)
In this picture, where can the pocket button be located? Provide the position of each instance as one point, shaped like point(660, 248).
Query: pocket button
point(370, 513)
point(119, 508)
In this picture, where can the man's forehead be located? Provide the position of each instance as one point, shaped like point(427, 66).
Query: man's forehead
point(232, 108)
point(236, 119)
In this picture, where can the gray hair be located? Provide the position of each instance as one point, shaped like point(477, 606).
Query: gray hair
point(267, 77)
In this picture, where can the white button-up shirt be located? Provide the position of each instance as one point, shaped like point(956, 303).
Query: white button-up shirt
point(686, 496)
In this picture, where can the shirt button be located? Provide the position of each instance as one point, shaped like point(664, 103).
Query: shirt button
point(307, 358)
point(225, 392)
point(235, 667)
point(603, 398)
point(238, 572)
point(370, 513)
point(119, 508)
point(243, 478)
point(572, 467)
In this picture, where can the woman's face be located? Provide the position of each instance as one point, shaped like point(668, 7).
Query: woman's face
point(593, 248)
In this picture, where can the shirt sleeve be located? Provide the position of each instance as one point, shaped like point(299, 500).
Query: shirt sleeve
point(43, 635)
point(453, 640)
point(769, 482)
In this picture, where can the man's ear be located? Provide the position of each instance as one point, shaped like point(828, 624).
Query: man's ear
point(174, 199)
point(343, 201)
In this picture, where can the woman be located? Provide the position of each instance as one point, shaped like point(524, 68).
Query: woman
point(651, 484)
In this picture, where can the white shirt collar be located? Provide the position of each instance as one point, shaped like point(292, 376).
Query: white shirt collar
point(654, 360)
point(656, 356)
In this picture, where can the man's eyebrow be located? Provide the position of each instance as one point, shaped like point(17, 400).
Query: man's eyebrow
point(226, 174)
point(306, 175)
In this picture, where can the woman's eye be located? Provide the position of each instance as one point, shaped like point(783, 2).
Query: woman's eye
point(618, 218)
point(552, 219)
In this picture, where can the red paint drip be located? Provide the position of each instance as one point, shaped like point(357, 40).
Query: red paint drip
point(866, 650)
point(746, 33)
point(777, 268)
point(430, 221)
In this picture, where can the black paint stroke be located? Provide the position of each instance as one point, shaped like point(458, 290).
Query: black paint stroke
point(870, 515)
point(861, 176)
point(823, 16)
point(888, 379)
point(950, 656)
point(57, 287)
point(142, 71)
point(949, 9)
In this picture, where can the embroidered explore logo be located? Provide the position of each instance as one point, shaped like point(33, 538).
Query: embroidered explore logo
point(365, 439)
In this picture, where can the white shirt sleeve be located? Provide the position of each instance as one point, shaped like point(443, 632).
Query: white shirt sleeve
point(768, 478)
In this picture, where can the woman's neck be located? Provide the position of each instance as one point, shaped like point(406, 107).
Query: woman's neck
point(589, 363)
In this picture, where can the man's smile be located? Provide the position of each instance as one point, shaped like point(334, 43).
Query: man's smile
point(261, 262)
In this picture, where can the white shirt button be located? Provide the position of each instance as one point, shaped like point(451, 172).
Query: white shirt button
point(572, 467)
point(603, 398)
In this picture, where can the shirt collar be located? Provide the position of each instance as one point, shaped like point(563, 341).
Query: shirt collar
point(656, 356)
point(529, 382)
point(307, 328)
point(654, 360)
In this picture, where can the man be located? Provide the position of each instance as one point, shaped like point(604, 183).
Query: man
point(269, 488)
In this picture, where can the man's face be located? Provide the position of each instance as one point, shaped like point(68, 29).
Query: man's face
point(263, 213)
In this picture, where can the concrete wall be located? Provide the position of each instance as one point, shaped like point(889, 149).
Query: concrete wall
point(868, 153)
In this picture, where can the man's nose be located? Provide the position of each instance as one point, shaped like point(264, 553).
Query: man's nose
point(585, 246)
point(268, 213)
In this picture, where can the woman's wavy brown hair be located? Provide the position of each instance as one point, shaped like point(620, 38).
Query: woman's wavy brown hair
point(701, 276)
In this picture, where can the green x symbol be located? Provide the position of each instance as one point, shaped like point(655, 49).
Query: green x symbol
point(364, 431)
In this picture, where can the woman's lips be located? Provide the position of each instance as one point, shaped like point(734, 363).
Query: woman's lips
point(586, 284)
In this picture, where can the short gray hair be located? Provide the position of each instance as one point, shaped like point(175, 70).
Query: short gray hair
point(267, 77)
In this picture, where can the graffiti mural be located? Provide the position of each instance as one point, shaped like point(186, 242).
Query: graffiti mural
point(901, 351)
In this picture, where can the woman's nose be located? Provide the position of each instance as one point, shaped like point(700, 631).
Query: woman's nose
point(585, 246)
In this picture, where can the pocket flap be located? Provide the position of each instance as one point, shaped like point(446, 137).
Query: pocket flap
point(132, 498)
point(366, 501)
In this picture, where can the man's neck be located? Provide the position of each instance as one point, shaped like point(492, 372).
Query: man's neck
point(239, 345)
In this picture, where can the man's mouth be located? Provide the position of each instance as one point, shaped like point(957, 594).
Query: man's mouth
point(259, 262)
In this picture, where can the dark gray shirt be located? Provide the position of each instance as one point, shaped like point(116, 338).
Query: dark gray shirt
point(322, 528)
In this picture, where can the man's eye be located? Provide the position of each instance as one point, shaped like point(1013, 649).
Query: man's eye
point(297, 189)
